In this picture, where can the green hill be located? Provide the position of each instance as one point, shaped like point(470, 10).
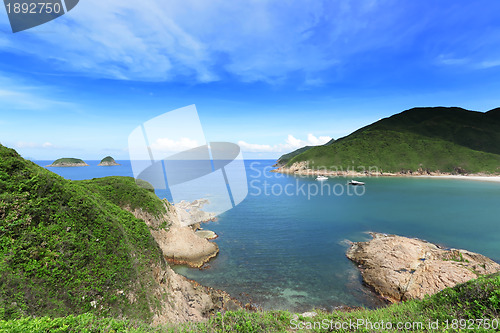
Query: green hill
point(108, 161)
point(434, 139)
point(66, 247)
point(68, 162)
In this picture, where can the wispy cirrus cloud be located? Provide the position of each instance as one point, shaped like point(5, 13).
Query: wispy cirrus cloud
point(291, 143)
point(250, 40)
point(18, 93)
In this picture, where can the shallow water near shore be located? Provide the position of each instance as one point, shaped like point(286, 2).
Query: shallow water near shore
point(284, 246)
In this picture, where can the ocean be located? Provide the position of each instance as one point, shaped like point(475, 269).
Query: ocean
point(284, 246)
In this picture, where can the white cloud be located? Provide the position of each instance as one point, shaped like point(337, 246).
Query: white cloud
point(255, 147)
point(489, 64)
point(450, 60)
point(169, 145)
point(291, 143)
point(316, 141)
point(24, 144)
point(47, 145)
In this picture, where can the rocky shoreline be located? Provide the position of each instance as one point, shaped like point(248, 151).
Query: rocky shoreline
point(108, 164)
point(400, 268)
point(302, 169)
point(189, 300)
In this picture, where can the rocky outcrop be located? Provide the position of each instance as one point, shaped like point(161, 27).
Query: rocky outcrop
point(187, 300)
point(400, 268)
point(190, 213)
point(177, 239)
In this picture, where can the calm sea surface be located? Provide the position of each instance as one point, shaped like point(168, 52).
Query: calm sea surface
point(284, 246)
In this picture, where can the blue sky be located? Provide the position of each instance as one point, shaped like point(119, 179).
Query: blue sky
point(269, 75)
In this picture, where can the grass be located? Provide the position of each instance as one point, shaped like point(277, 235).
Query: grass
point(453, 309)
point(67, 247)
point(126, 191)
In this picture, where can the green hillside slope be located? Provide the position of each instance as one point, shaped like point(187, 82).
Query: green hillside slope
point(284, 159)
point(66, 248)
point(444, 139)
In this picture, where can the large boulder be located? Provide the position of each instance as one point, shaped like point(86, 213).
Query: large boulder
point(400, 268)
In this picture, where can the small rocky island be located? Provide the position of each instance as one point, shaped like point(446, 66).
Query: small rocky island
point(400, 268)
point(68, 162)
point(108, 161)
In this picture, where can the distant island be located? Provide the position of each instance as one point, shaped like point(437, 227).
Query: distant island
point(108, 161)
point(419, 141)
point(68, 162)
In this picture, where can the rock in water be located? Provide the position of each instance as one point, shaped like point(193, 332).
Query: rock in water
point(401, 268)
point(108, 161)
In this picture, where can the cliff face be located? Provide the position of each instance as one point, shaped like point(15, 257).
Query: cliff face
point(401, 268)
point(179, 242)
point(188, 300)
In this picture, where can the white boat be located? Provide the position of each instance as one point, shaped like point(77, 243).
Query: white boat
point(355, 183)
point(322, 178)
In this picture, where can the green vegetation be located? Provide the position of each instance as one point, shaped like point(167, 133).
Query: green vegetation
point(63, 161)
point(108, 159)
point(66, 247)
point(287, 157)
point(430, 139)
point(127, 192)
point(284, 159)
point(454, 308)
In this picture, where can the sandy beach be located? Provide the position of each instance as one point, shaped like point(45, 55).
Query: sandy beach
point(495, 179)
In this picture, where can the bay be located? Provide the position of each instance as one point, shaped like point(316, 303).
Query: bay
point(284, 246)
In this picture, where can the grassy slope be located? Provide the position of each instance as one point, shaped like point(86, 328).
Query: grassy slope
point(476, 299)
point(431, 138)
point(287, 157)
point(64, 244)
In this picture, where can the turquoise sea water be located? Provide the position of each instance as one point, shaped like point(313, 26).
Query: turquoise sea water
point(286, 250)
